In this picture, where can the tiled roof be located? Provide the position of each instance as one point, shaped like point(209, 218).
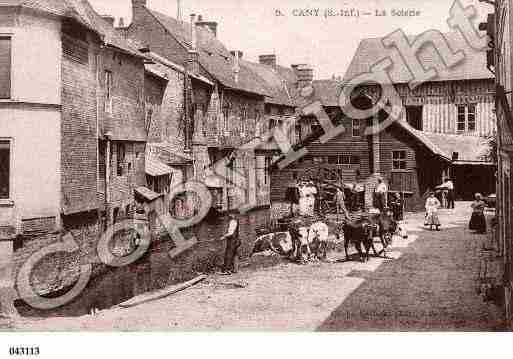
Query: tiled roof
point(213, 56)
point(82, 12)
point(423, 139)
point(371, 51)
point(277, 85)
point(469, 148)
point(327, 91)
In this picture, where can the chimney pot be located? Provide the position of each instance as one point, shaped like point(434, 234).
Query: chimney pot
point(109, 19)
point(269, 60)
point(210, 25)
point(235, 53)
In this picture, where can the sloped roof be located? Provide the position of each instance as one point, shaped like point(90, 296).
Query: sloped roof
point(213, 55)
point(82, 12)
point(276, 84)
point(327, 91)
point(371, 51)
point(423, 139)
point(469, 148)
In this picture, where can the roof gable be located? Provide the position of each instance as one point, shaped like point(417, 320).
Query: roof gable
point(214, 57)
point(278, 86)
point(371, 51)
point(82, 12)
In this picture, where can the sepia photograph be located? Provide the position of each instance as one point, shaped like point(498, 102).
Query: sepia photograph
point(255, 166)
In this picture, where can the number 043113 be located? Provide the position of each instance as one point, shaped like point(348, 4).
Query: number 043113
point(24, 351)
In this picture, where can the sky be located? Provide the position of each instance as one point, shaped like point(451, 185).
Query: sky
point(328, 44)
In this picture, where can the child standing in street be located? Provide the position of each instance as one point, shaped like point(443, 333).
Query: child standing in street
point(432, 205)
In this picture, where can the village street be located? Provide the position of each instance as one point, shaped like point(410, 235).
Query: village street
point(429, 285)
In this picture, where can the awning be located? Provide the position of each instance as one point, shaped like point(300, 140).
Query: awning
point(156, 168)
point(170, 155)
point(473, 163)
point(147, 193)
point(213, 181)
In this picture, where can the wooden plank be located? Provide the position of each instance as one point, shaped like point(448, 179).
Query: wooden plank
point(147, 297)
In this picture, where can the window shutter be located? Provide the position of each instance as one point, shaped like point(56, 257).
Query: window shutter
point(5, 67)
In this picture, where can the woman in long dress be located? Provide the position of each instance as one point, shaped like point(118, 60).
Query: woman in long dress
point(477, 220)
point(432, 205)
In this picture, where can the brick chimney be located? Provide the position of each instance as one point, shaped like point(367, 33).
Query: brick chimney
point(304, 74)
point(193, 60)
point(269, 60)
point(138, 3)
point(109, 19)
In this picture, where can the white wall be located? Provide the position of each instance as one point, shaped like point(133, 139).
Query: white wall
point(36, 59)
point(32, 119)
point(35, 173)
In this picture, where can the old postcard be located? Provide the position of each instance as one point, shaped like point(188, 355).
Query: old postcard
point(223, 165)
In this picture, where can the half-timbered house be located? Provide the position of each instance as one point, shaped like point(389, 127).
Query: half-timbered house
point(458, 101)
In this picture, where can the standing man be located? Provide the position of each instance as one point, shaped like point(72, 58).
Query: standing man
point(381, 195)
point(231, 255)
point(340, 199)
point(450, 192)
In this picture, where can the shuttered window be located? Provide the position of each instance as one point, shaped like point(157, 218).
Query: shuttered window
point(5, 67)
point(5, 168)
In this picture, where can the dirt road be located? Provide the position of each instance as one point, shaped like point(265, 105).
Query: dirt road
point(430, 284)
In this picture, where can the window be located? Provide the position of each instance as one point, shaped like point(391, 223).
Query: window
point(299, 133)
point(471, 117)
point(466, 118)
point(243, 119)
point(108, 91)
point(120, 159)
point(355, 124)
point(267, 178)
point(398, 160)
point(5, 169)
point(5, 67)
point(272, 123)
point(344, 160)
point(267, 109)
point(414, 116)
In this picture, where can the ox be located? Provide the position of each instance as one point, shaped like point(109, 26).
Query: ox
point(364, 230)
point(300, 243)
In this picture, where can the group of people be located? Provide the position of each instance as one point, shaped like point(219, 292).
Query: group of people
point(477, 221)
point(307, 193)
